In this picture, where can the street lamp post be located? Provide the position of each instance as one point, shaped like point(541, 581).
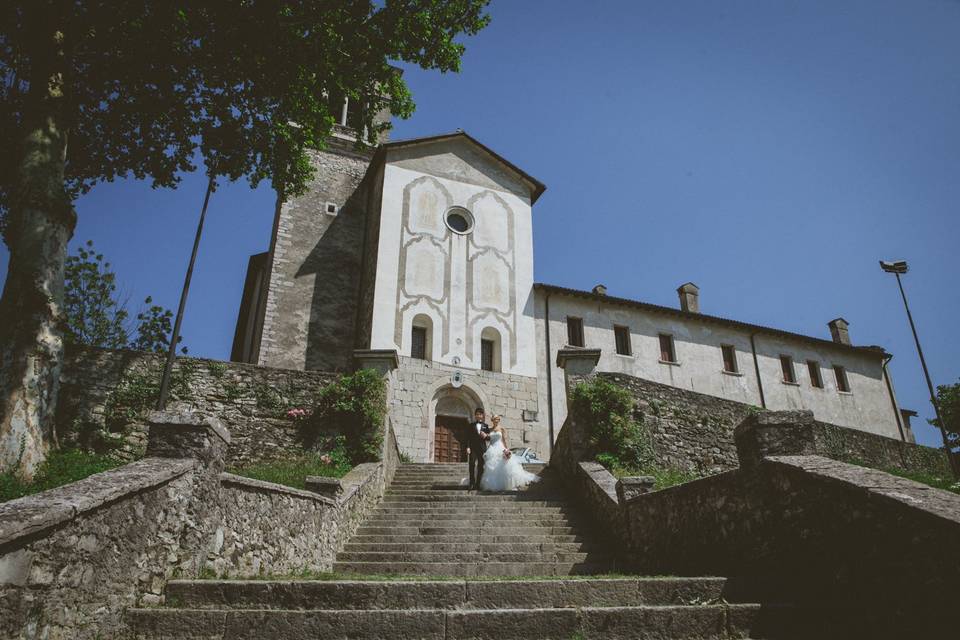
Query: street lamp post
point(175, 337)
point(898, 268)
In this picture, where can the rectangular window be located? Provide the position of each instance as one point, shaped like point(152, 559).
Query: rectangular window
point(816, 380)
point(667, 352)
point(622, 337)
point(842, 383)
point(574, 331)
point(418, 348)
point(729, 358)
point(786, 365)
point(486, 355)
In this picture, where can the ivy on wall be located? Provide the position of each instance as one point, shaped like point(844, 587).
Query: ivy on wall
point(355, 407)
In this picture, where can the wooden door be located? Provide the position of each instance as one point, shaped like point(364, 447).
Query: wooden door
point(450, 439)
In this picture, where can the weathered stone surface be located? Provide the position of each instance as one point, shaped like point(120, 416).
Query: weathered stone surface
point(249, 401)
point(772, 433)
point(328, 487)
point(629, 488)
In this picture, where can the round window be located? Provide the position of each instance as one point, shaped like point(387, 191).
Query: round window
point(459, 220)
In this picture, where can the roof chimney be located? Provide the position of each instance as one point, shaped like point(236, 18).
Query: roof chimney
point(689, 297)
point(600, 290)
point(838, 331)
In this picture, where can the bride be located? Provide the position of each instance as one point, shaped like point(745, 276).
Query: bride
point(501, 471)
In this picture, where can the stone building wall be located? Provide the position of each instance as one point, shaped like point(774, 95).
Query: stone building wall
point(315, 262)
point(418, 385)
point(250, 401)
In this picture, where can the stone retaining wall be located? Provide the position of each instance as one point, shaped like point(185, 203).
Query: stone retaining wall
point(72, 559)
point(694, 431)
point(250, 401)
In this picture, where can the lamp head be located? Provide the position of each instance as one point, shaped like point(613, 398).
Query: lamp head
point(900, 266)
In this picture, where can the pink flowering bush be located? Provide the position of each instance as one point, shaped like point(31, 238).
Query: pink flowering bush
point(298, 414)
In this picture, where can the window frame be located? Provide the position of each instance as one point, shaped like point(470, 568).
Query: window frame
point(671, 348)
point(623, 331)
point(815, 374)
point(792, 378)
point(733, 359)
point(414, 330)
point(575, 322)
point(841, 378)
point(492, 344)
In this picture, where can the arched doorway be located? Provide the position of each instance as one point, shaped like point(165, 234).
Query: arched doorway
point(451, 412)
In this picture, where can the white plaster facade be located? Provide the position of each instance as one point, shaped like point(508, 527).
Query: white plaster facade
point(870, 405)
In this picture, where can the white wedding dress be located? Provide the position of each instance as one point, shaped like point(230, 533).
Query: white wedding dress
point(503, 474)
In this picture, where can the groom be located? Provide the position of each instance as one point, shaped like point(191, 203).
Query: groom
point(477, 436)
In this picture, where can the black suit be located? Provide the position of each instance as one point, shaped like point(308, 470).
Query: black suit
point(478, 445)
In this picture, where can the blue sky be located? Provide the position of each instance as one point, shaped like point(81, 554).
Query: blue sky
point(769, 151)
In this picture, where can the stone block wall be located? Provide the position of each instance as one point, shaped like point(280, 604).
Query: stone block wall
point(694, 431)
point(416, 386)
point(250, 401)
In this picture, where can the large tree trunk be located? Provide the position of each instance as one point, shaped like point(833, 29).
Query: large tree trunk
point(40, 223)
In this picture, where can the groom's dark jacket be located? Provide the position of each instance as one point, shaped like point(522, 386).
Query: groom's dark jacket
point(474, 440)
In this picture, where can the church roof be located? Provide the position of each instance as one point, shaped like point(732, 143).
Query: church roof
point(536, 187)
point(691, 315)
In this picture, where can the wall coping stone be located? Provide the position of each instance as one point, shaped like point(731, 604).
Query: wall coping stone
point(33, 514)
point(588, 357)
point(630, 488)
point(357, 477)
point(384, 360)
point(938, 503)
point(189, 418)
point(602, 477)
point(271, 487)
point(772, 433)
point(328, 487)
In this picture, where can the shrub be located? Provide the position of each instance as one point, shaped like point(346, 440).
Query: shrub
point(606, 410)
point(354, 406)
point(60, 468)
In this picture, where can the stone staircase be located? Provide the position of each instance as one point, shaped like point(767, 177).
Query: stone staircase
point(429, 524)
point(436, 561)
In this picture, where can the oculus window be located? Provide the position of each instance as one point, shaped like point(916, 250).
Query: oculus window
point(459, 220)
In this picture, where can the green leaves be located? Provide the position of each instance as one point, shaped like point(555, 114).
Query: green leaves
point(149, 86)
point(606, 411)
point(354, 406)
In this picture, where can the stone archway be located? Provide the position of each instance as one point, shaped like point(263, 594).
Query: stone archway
point(455, 403)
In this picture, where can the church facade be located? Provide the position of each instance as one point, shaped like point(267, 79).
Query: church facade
point(425, 246)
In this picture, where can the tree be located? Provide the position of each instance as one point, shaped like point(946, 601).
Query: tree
point(948, 397)
point(92, 312)
point(94, 316)
point(94, 90)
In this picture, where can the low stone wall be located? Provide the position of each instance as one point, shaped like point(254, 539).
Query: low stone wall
point(270, 529)
point(250, 401)
point(72, 559)
point(694, 431)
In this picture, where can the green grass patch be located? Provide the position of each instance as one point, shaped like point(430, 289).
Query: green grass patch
point(664, 477)
point(292, 472)
point(60, 468)
point(947, 483)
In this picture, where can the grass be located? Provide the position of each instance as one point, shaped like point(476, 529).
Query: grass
point(60, 468)
point(938, 482)
point(292, 472)
point(664, 477)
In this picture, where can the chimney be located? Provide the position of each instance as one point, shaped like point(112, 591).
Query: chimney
point(838, 331)
point(689, 297)
point(600, 290)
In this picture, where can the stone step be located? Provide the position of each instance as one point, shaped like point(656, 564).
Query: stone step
point(494, 529)
point(641, 623)
point(449, 594)
point(471, 546)
point(504, 510)
point(472, 569)
point(469, 520)
point(441, 496)
point(464, 537)
point(417, 557)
